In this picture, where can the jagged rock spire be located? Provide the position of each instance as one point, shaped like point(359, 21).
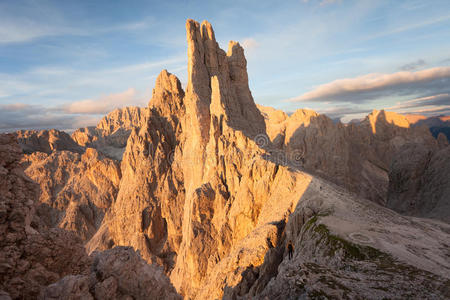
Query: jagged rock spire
point(168, 94)
point(216, 75)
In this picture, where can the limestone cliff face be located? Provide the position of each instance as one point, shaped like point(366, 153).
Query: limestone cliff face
point(75, 190)
point(146, 214)
point(39, 262)
point(122, 118)
point(77, 182)
point(357, 156)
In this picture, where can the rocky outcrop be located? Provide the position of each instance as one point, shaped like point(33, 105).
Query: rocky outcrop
point(357, 156)
point(75, 190)
point(442, 141)
point(77, 184)
point(146, 213)
point(46, 141)
point(31, 255)
point(112, 132)
point(79, 175)
point(194, 158)
point(122, 118)
point(119, 273)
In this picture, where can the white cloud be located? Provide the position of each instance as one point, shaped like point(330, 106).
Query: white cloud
point(429, 100)
point(15, 107)
point(249, 44)
point(410, 26)
point(429, 105)
point(48, 21)
point(434, 110)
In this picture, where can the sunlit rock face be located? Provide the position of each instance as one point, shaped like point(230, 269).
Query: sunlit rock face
point(194, 183)
point(76, 190)
point(150, 199)
point(77, 184)
point(40, 262)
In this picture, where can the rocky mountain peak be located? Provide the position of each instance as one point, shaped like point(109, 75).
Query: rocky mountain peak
point(379, 119)
point(121, 118)
point(168, 94)
point(218, 83)
point(46, 141)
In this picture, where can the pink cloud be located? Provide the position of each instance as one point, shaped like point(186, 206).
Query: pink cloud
point(104, 104)
point(375, 85)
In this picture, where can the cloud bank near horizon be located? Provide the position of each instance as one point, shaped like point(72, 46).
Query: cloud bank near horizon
point(67, 116)
point(375, 85)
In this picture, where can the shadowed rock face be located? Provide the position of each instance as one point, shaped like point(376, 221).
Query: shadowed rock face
point(31, 255)
point(46, 141)
point(437, 124)
point(419, 182)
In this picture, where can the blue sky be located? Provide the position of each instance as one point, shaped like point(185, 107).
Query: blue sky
point(64, 64)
